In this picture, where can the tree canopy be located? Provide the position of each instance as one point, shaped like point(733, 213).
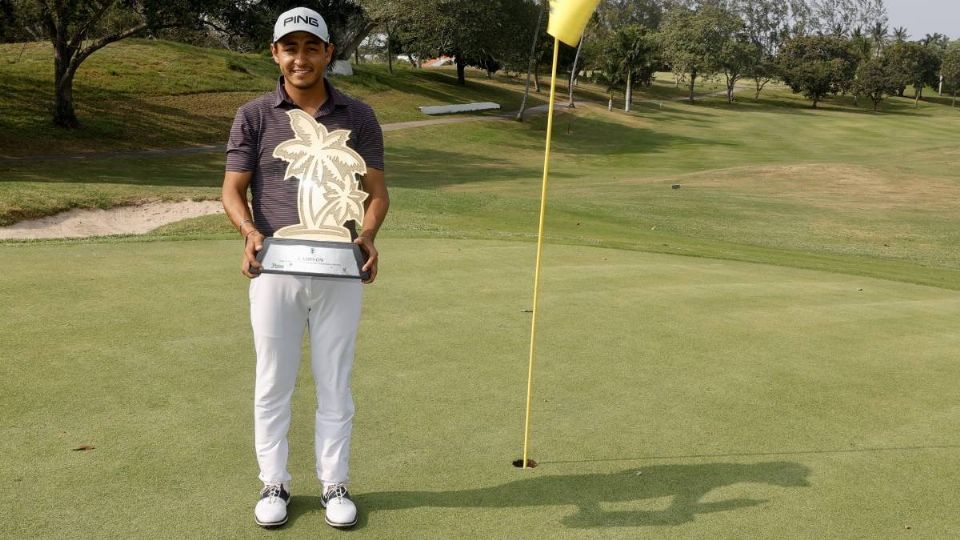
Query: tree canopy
point(817, 66)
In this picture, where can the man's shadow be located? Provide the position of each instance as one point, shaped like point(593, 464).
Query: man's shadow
point(684, 485)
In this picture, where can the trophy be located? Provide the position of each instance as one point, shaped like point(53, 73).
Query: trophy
point(329, 195)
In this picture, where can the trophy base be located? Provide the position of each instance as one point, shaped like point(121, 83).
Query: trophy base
point(314, 258)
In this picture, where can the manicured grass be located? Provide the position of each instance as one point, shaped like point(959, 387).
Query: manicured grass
point(697, 396)
point(819, 182)
point(674, 397)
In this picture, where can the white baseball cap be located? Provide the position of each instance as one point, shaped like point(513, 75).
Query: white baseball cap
point(300, 19)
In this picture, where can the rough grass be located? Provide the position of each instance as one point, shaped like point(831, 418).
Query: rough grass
point(674, 397)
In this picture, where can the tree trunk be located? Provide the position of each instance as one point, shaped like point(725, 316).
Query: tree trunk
point(536, 77)
point(756, 97)
point(693, 79)
point(916, 99)
point(63, 113)
point(954, 104)
point(730, 84)
point(461, 70)
point(530, 62)
point(352, 41)
point(628, 95)
point(815, 103)
point(389, 53)
point(610, 103)
point(573, 75)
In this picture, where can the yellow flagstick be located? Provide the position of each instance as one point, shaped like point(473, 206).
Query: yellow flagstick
point(536, 274)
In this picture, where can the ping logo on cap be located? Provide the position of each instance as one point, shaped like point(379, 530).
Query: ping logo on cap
point(301, 19)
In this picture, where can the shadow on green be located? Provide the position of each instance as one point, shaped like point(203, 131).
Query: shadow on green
point(685, 485)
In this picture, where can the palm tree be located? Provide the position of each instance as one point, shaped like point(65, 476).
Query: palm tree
point(879, 35)
point(329, 194)
point(935, 39)
point(900, 34)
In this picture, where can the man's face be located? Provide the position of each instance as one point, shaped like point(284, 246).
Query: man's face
point(303, 58)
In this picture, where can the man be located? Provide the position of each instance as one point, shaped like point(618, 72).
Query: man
point(282, 305)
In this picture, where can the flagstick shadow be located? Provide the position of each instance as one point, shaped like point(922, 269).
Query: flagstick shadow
point(684, 485)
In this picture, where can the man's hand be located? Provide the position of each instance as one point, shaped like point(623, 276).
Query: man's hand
point(366, 244)
point(252, 244)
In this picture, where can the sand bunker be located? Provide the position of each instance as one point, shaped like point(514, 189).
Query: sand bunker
point(122, 220)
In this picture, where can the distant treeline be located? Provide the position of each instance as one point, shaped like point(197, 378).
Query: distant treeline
point(817, 47)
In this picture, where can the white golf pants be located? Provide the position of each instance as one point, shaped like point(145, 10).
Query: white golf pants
point(281, 306)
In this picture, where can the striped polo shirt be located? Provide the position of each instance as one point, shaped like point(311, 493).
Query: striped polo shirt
point(262, 124)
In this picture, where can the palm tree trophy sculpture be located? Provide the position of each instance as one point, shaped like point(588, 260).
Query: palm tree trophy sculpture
point(329, 194)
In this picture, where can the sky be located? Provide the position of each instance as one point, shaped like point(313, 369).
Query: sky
point(921, 17)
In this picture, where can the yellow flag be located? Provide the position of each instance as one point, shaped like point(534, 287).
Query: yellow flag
point(568, 18)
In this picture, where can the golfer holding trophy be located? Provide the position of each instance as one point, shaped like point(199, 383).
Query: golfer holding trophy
point(312, 159)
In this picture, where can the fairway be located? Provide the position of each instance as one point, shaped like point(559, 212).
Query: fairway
point(674, 396)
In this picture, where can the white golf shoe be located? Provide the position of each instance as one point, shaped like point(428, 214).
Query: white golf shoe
point(341, 512)
point(271, 509)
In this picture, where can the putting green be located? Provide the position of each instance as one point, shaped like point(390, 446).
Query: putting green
point(674, 396)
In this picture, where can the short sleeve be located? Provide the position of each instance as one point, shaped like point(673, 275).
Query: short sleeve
point(242, 147)
point(369, 141)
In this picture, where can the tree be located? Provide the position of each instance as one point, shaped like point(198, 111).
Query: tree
point(938, 43)
point(683, 47)
point(474, 33)
point(79, 28)
point(734, 54)
point(840, 17)
point(574, 72)
point(878, 34)
point(692, 40)
point(900, 34)
point(916, 65)
point(531, 60)
point(875, 80)
point(951, 71)
point(248, 25)
point(631, 54)
point(766, 24)
point(709, 39)
point(817, 66)
point(12, 27)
